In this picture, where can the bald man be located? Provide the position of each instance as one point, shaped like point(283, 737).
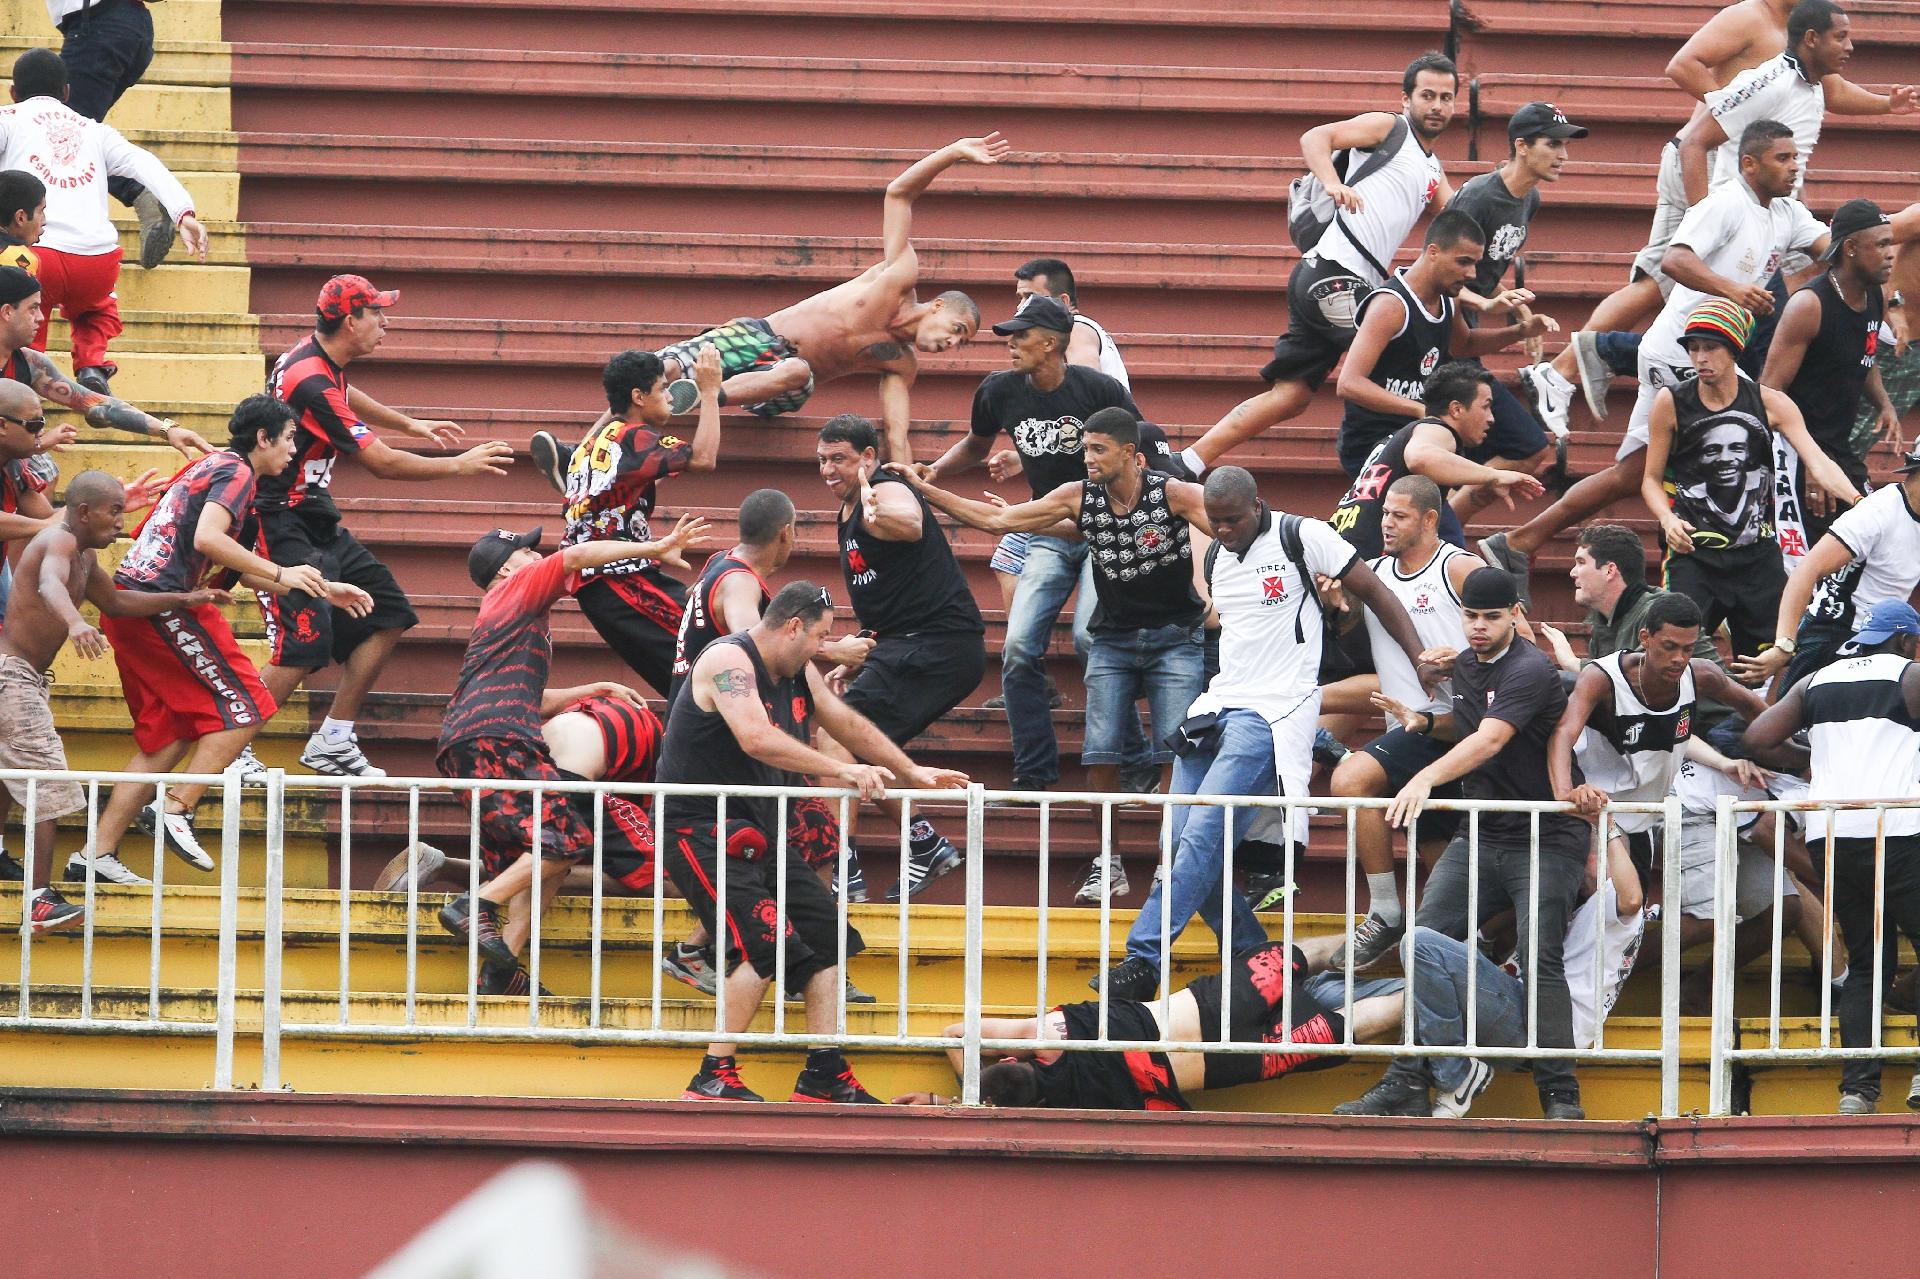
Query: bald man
point(58, 570)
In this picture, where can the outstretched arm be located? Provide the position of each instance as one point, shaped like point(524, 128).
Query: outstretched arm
point(106, 410)
point(1022, 517)
point(1821, 469)
point(858, 734)
point(896, 215)
point(1844, 97)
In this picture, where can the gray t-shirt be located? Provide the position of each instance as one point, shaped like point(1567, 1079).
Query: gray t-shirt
point(1503, 219)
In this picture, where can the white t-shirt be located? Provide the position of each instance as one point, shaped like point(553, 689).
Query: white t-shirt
point(1775, 90)
point(1110, 362)
point(75, 156)
point(1738, 238)
point(1620, 941)
point(1883, 533)
point(1392, 198)
point(1434, 609)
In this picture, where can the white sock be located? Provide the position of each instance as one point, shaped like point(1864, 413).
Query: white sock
point(1839, 978)
point(1384, 898)
point(1194, 464)
point(334, 731)
point(1559, 379)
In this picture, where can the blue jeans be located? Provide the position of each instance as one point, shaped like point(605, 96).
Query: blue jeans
point(1053, 568)
point(1440, 1004)
point(1621, 351)
point(1239, 761)
point(1166, 663)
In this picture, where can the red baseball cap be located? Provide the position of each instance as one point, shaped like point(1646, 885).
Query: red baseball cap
point(343, 294)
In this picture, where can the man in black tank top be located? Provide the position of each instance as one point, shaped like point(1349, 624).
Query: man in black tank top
point(907, 590)
point(738, 721)
point(1709, 478)
point(1826, 348)
point(1146, 630)
point(1406, 329)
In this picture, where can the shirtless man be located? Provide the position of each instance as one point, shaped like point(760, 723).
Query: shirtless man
point(873, 323)
point(57, 571)
point(1738, 38)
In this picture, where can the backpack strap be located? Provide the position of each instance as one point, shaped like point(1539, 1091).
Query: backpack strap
point(1377, 159)
point(1296, 549)
point(1213, 557)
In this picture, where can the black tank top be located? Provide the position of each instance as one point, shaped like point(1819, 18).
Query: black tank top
point(701, 748)
point(906, 588)
point(1417, 350)
point(16, 367)
point(1142, 560)
point(700, 623)
point(1357, 517)
point(1720, 471)
point(1110, 1080)
point(1827, 387)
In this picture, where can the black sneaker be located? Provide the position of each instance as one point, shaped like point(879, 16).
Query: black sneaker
point(1268, 892)
point(11, 871)
point(550, 457)
point(496, 979)
point(1132, 978)
point(856, 879)
point(926, 865)
point(719, 1080)
point(998, 702)
point(1144, 780)
point(458, 917)
point(1561, 1105)
point(818, 1085)
point(683, 396)
point(1393, 1095)
point(1328, 750)
point(50, 910)
point(95, 377)
point(1372, 941)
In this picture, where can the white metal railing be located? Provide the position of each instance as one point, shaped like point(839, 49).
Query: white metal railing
point(661, 1021)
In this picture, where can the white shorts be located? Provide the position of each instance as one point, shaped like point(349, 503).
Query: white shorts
point(1293, 765)
point(1752, 883)
point(1654, 374)
point(1669, 207)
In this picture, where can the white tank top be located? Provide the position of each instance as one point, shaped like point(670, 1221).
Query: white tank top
point(1110, 362)
point(1427, 595)
point(1632, 751)
point(1865, 744)
point(1394, 198)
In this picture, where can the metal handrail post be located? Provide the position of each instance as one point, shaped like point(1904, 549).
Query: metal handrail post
point(976, 930)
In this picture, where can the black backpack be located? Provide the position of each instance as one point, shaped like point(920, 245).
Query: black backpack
point(1310, 210)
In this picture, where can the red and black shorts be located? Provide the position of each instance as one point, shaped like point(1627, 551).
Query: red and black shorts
point(753, 921)
point(507, 816)
point(308, 633)
point(638, 615)
point(1258, 979)
point(627, 844)
point(185, 676)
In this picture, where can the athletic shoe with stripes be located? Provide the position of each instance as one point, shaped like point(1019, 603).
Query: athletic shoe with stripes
point(176, 830)
point(339, 759)
point(460, 918)
point(107, 869)
point(926, 865)
point(719, 1080)
point(1453, 1103)
point(393, 876)
point(818, 1085)
point(50, 910)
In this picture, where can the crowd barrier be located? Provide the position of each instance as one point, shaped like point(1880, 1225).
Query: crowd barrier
point(276, 1026)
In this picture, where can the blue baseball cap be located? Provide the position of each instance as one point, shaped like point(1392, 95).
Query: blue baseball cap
point(1887, 619)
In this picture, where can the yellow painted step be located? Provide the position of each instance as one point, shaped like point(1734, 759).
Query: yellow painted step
point(175, 333)
point(226, 243)
point(148, 374)
point(187, 286)
point(160, 106)
point(214, 151)
point(175, 62)
point(216, 195)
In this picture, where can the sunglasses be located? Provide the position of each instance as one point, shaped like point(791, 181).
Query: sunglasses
point(34, 425)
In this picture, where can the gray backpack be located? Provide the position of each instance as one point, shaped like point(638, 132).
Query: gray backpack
point(1310, 210)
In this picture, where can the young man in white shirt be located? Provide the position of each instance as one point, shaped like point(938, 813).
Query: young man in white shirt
point(79, 250)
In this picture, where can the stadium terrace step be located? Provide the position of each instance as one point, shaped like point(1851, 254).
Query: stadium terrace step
point(830, 191)
point(191, 63)
point(183, 286)
point(216, 199)
point(184, 150)
point(1377, 32)
point(184, 333)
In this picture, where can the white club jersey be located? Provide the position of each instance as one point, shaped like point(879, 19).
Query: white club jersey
point(1394, 197)
point(1865, 743)
point(1110, 362)
point(1427, 595)
point(1738, 238)
point(1883, 532)
point(1630, 750)
point(1619, 947)
point(74, 157)
point(1775, 90)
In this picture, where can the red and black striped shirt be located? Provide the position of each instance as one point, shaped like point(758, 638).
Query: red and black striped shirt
point(163, 557)
point(630, 734)
point(508, 657)
point(701, 623)
point(307, 378)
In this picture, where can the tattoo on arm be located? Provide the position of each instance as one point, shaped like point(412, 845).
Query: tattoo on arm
point(97, 409)
point(881, 352)
point(733, 683)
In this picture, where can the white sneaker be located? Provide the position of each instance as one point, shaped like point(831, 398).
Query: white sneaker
point(338, 759)
point(107, 869)
point(1455, 1102)
point(1852, 1103)
point(1595, 376)
point(252, 771)
point(1551, 396)
point(1913, 1093)
point(431, 862)
point(177, 830)
point(1116, 881)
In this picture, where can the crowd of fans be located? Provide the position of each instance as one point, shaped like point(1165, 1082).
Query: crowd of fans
point(1261, 642)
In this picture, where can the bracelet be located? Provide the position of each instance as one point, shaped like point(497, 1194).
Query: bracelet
point(277, 571)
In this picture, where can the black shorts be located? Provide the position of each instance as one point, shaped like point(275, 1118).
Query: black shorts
point(638, 615)
point(305, 633)
point(909, 681)
point(1400, 755)
point(1322, 297)
point(1260, 976)
point(1740, 585)
point(812, 921)
point(813, 836)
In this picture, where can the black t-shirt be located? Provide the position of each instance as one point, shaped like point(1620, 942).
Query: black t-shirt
point(1045, 426)
point(1110, 1080)
point(906, 588)
point(1720, 468)
point(699, 747)
point(1503, 218)
point(1523, 687)
point(700, 622)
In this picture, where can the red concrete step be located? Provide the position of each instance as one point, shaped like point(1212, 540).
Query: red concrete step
point(1370, 33)
point(833, 190)
point(1638, 36)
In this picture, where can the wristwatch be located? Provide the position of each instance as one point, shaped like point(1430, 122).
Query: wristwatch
point(1786, 644)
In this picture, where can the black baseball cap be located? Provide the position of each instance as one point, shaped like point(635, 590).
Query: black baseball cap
point(1037, 312)
point(1542, 120)
point(493, 550)
point(16, 286)
point(1852, 218)
point(1489, 587)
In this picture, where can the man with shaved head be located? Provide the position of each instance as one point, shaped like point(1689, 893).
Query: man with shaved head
point(57, 571)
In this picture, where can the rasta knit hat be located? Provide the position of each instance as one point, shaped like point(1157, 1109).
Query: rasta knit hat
point(1724, 321)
